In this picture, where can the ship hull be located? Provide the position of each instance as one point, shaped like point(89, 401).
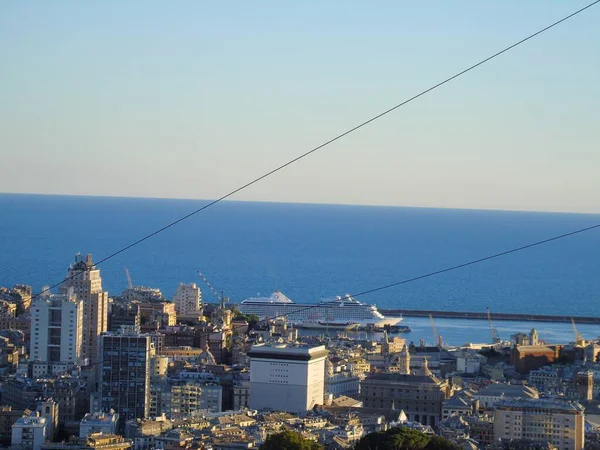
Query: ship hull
point(328, 326)
point(300, 313)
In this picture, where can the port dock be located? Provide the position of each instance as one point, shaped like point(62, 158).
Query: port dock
point(494, 316)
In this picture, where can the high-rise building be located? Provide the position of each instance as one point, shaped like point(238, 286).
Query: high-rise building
point(287, 378)
point(559, 422)
point(188, 299)
point(56, 329)
point(124, 384)
point(84, 278)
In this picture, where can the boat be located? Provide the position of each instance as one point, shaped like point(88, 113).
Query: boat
point(339, 309)
point(328, 325)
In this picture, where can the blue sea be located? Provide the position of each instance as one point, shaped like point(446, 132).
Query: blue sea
point(311, 252)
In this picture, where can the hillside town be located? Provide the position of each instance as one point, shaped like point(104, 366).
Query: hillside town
point(84, 370)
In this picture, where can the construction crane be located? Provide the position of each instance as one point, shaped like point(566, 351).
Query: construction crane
point(129, 283)
point(436, 338)
point(493, 331)
point(221, 299)
point(578, 337)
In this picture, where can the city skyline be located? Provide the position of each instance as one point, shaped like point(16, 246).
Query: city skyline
point(161, 114)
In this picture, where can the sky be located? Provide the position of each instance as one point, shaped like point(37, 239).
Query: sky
point(192, 99)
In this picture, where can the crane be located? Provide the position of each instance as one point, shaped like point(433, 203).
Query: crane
point(436, 338)
point(578, 337)
point(493, 331)
point(213, 290)
point(129, 283)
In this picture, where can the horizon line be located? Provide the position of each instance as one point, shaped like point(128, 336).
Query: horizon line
point(282, 202)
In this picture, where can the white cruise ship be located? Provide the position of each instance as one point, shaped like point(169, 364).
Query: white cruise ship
point(339, 309)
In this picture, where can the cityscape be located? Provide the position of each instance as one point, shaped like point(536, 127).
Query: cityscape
point(351, 225)
point(81, 369)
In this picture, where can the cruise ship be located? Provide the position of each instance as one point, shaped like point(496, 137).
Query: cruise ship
point(339, 309)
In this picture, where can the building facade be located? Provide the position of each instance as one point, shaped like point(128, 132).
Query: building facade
point(84, 278)
point(56, 329)
point(124, 384)
point(287, 378)
point(559, 422)
point(420, 396)
point(29, 432)
point(188, 299)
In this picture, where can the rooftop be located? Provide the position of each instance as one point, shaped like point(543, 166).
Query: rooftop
point(541, 403)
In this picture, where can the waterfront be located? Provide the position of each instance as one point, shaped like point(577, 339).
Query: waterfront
point(461, 331)
point(310, 252)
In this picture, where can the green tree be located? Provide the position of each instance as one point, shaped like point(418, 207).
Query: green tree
point(402, 438)
point(289, 440)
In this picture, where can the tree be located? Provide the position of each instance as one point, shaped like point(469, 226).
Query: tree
point(289, 440)
point(402, 438)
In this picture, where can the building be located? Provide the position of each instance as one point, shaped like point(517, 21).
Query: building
point(163, 313)
point(559, 422)
point(124, 315)
point(84, 278)
point(19, 294)
point(188, 299)
point(56, 329)
point(100, 441)
point(420, 396)
point(391, 346)
point(98, 423)
point(142, 294)
point(526, 358)
point(287, 378)
point(8, 417)
point(29, 432)
point(124, 384)
point(492, 394)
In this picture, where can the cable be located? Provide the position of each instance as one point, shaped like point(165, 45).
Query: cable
point(339, 136)
point(447, 269)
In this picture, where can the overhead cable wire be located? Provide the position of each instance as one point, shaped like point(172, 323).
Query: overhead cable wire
point(330, 141)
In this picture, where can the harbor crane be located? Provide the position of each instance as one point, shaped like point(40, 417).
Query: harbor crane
point(493, 331)
point(129, 283)
point(578, 337)
point(221, 298)
point(436, 338)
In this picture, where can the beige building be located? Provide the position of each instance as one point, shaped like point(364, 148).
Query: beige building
point(419, 396)
point(158, 311)
point(188, 299)
point(559, 422)
point(86, 282)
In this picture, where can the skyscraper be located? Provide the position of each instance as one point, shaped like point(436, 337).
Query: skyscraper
point(85, 280)
point(124, 384)
point(56, 329)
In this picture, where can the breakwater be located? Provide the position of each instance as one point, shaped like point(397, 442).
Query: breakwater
point(495, 316)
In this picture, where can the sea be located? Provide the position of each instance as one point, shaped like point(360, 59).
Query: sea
point(314, 251)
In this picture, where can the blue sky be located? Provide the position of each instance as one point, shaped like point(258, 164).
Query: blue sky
point(191, 99)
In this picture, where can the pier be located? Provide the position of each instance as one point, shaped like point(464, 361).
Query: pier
point(494, 316)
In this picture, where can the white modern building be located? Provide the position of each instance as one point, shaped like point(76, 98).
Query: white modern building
point(84, 278)
point(104, 423)
point(56, 329)
point(560, 422)
point(286, 378)
point(188, 299)
point(29, 432)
